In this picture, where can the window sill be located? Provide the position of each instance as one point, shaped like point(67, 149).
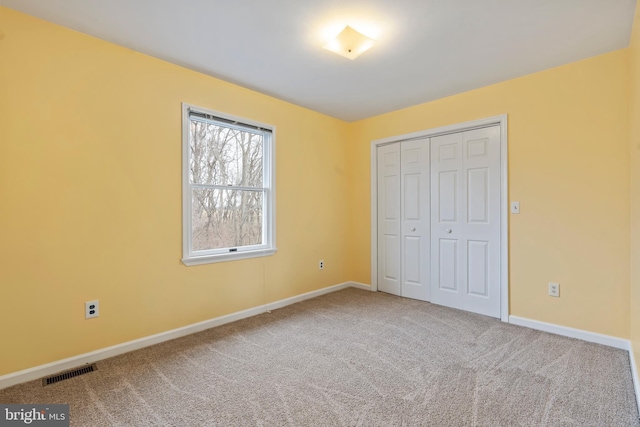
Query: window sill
point(232, 256)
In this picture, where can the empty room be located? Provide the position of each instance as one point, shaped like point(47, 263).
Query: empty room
point(319, 213)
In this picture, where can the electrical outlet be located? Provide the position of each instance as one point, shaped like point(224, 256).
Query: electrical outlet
point(321, 265)
point(91, 309)
point(554, 289)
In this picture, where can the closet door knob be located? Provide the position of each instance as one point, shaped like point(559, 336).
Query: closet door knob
point(413, 229)
point(449, 230)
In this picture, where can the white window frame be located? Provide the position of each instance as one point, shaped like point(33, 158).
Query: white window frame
point(190, 257)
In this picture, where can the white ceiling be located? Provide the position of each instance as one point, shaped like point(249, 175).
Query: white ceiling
point(426, 49)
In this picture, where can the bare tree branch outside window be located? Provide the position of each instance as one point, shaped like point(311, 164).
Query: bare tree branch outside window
point(226, 173)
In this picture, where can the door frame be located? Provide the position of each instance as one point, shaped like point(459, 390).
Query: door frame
point(500, 120)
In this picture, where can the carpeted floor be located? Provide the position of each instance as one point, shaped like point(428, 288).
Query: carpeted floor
point(354, 358)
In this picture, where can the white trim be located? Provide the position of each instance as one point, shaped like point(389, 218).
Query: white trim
point(504, 221)
point(374, 217)
point(209, 259)
point(443, 130)
point(37, 372)
point(360, 285)
point(189, 257)
point(566, 331)
point(500, 120)
point(634, 374)
point(583, 335)
point(186, 209)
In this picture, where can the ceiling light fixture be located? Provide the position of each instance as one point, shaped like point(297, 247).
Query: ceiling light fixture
point(349, 43)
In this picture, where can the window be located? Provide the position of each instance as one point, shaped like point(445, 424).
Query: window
point(228, 194)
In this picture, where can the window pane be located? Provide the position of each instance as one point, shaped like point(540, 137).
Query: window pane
point(221, 155)
point(226, 218)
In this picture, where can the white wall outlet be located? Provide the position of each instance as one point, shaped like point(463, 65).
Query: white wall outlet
point(554, 289)
point(91, 309)
point(515, 207)
point(321, 265)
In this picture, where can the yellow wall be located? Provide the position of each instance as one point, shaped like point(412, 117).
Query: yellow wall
point(568, 167)
point(634, 151)
point(90, 196)
point(90, 193)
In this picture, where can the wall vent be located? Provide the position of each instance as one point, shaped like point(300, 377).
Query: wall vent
point(68, 374)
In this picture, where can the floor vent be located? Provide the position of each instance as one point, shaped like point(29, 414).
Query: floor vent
point(68, 374)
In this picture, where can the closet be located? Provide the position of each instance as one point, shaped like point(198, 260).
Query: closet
point(439, 219)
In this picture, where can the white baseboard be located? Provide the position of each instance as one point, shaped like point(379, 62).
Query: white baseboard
point(37, 372)
point(360, 286)
point(571, 332)
point(288, 301)
point(634, 374)
point(583, 335)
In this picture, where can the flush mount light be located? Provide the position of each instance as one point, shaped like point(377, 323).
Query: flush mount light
point(349, 43)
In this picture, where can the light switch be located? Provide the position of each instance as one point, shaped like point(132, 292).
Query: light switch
point(515, 207)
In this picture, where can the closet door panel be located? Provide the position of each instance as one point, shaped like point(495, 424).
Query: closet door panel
point(465, 225)
point(446, 191)
point(415, 213)
point(389, 219)
point(481, 167)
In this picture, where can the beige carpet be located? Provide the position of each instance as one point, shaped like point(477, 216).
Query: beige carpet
point(354, 358)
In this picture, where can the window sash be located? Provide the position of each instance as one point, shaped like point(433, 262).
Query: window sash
point(227, 187)
point(265, 139)
point(221, 121)
point(234, 248)
point(191, 256)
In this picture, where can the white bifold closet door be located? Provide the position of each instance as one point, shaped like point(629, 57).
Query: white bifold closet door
point(389, 219)
point(403, 219)
point(465, 220)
